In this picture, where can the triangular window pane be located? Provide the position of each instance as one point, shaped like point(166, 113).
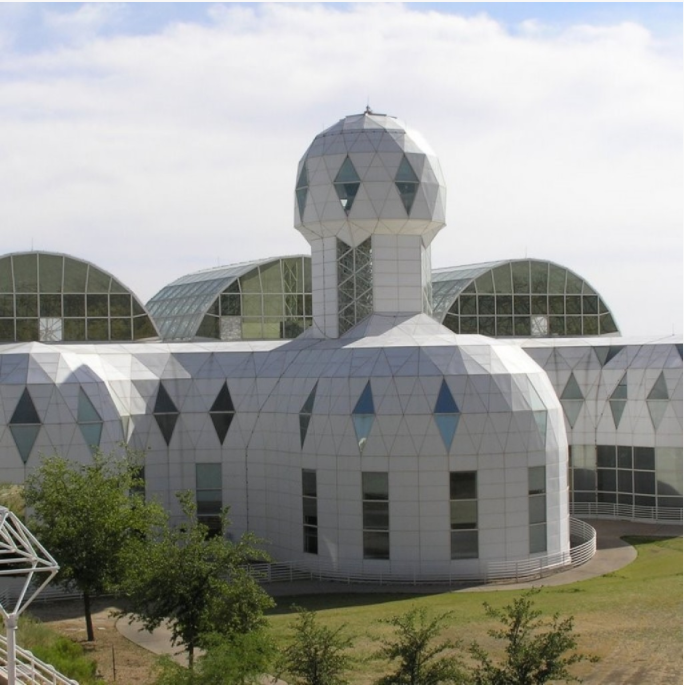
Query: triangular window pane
point(659, 390)
point(405, 172)
point(363, 423)
point(25, 411)
point(303, 181)
point(164, 404)
point(407, 184)
point(304, 420)
point(25, 437)
point(572, 409)
point(445, 401)
point(540, 419)
point(347, 173)
point(535, 401)
point(617, 407)
point(307, 407)
point(223, 402)
point(364, 404)
point(92, 434)
point(347, 184)
point(221, 422)
point(447, 425)
point(166, 423)
point(572, 390)
point(301, 194)
point(606, 353)
point(305, 414)
point(620, 392)
point(679, 349)
point(86, 410)
point(656, 408)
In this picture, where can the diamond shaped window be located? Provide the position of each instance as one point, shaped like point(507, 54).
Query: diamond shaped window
point(222, 412)
point(363, 416)
point(446, 415)
point(25, 425)
point(572, 400)
point(657, 400)
point(618, 400)
point(166, 413)
point(302, 190)
point(407, 184)
point(89, 421)
point(305, 414)
point(347, 184)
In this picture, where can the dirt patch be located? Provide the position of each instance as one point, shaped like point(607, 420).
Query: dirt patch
point(119, 660)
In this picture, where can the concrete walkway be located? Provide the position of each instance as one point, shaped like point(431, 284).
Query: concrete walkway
point(612, 554)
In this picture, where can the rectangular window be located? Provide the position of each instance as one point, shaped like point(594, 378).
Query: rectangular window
point(310, 511)
point(463, 498)
point(375, 498)
point(537, 508)
point(209, 495)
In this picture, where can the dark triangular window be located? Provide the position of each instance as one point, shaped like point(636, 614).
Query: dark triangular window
point(606, 353)
point(222, 412)
point(166, 413)
point(347, 184)
point(446, 415)
point(25, 411)
point(163, 404)
point(659, 390)
point(305, 414)
point(407, 184)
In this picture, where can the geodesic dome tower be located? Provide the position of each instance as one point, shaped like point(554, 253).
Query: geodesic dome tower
point(370, 197)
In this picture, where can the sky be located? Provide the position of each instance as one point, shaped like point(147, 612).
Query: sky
point(154, 140)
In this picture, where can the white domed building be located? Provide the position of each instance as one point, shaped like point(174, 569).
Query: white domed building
point(376, 443)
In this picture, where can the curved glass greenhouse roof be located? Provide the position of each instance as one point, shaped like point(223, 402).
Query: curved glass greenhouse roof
point(264, 299)
point(519, 298)
point(54, 297)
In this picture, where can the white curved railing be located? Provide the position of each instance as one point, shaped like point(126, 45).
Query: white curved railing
point(583, 547)
point(582, 542)
point(30, 670)
point(630, 512)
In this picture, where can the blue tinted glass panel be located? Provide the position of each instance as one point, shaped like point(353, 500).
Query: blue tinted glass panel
point(447, 425)
point(445, 401)
point(364, 404)
point(25, 437)
point(86, 410)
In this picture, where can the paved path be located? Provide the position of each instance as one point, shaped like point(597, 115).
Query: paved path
point(612, 554)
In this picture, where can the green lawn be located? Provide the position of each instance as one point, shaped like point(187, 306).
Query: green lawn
point(631, 618)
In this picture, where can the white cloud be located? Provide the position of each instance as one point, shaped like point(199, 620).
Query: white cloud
point(155, 155)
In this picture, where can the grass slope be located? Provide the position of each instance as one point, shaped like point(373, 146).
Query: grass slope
point(631, 619)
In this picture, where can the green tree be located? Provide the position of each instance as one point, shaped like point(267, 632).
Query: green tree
point(422, 660)
point(536, 651)
point(236, 659)
point(88, 516)
point(197, 583)
point(316, 653)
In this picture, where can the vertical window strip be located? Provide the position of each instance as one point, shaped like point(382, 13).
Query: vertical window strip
point(463, 514)
point(537, 508)
point(310, 510)
point(375, 506)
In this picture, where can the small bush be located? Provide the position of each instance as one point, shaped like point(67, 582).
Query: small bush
point(65, 655)
point(68, 658)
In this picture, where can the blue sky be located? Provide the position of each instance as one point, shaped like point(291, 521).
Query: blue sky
point(158, 139)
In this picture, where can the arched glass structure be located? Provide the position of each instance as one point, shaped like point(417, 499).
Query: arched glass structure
point(51, 297)
point(519, 298)
point(266, 299)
